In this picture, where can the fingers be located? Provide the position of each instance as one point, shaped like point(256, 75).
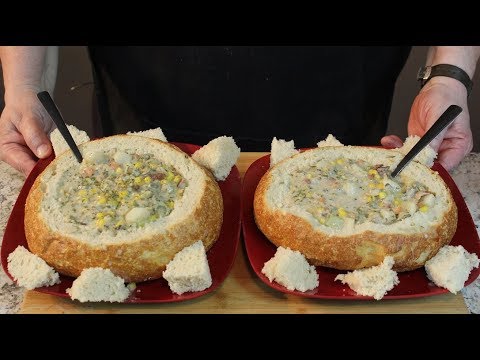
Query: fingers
point(450, 158)
point(391, 141)
point(35, 137)
point(451, 154)
point(19, 157)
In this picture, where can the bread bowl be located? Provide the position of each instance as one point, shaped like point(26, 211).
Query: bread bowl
point(129, 207)
point(339, 207)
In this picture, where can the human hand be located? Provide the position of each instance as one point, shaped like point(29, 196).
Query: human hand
point(452, 144)
point(24, 125)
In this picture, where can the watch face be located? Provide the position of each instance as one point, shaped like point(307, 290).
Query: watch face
point(424, 73)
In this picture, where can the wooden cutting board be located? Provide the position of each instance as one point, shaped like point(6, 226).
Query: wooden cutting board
point(243, 292)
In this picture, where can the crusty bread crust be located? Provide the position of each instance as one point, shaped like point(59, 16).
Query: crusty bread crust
point(355, 251)
point(142, 259)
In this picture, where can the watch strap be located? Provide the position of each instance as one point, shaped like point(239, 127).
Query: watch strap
point(427, 72)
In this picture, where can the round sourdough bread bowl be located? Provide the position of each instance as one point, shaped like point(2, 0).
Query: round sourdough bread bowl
point(340, 208)
point(130, 206)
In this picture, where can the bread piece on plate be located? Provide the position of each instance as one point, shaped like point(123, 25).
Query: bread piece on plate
point(97, 284)
point(291, 269)
point(130, 206)
point(189, 270)
point(60, 145)
point(426, 156)
point(340, 208)
point(29, 270)
point(281, 149)
point(219, 156)
point(156, 133)
point(375, 281)
point(330, 140)
point(451, 267)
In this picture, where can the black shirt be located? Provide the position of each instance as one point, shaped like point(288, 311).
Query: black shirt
point(253, 93)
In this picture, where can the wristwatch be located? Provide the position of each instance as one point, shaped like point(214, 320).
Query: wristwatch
point(427, 72)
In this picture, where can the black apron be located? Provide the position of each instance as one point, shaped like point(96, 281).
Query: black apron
point(253, 93)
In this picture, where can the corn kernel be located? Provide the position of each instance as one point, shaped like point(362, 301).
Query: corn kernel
point(372, 172)
point(309, 176)
point(163, 181)
point(102, 200)
point(100, 215)
point(340, 161)
point(396, 202)
point(170, 204)
point(82, 193)
point(100, 223)
point(119, 223)
point(371, 185)
point(177, 178)
point(380, 186)
point(147, 179)
point(137, 165)
point(423, 208)
point(322, 220)
point(137, 180)
point(382, 195)
point(341, 212)
point(170, 176)
point(119, 170)
point(368, 198)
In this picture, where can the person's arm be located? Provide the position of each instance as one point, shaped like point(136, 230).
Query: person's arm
point(24, 123)
point(437, 94)
point(34, 66)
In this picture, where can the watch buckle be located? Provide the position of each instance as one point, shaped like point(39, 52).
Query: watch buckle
point(424, 73)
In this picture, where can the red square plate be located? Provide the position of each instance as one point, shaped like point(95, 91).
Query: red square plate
point(412, 283)
point(220, 256)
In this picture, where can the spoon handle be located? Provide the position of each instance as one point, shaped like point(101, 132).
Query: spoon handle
point(52, 110)
point(443, 121)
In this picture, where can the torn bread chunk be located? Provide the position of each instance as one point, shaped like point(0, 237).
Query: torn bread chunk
point(426, 156)
point(281, 149)
point(97, 284)
point(156, 133)
point(189, 270)
point(374, 281)
point(60, 145)
point(29, 270)
point(290, 269)
point(219, 156)
point(330, 140)
point(450, 267)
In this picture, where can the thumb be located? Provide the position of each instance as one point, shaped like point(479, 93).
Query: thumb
point(391, 141)
point(35, 138)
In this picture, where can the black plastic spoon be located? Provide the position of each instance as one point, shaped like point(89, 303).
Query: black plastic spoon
point(57, 118)
point(443, 121)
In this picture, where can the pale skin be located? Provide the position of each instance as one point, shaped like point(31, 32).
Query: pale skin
point(24, 125)
point(433, 99)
